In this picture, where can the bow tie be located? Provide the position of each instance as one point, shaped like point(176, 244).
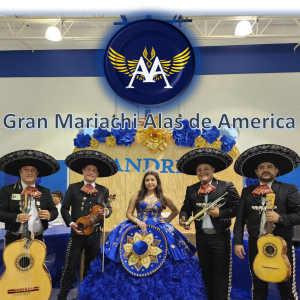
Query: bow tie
point(262, 190)
point(206, 189)
point(30, 190)
point(89, 190)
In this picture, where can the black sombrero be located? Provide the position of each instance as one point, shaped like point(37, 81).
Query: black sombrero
point(12, 162)
point(284, 159)
point(80, 159)
point(218, 159)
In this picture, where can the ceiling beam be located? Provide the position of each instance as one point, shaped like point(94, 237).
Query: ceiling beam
point(91, 38)
point(115, 19)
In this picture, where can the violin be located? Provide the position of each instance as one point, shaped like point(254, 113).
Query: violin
point(87, 223)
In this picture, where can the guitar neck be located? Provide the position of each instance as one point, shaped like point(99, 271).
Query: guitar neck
point(26, 230)
point(26, 207)
point(269, 228)
point(270, 202)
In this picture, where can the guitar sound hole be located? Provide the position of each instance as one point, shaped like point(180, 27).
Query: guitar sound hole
point(24, 262)
point(270, 250)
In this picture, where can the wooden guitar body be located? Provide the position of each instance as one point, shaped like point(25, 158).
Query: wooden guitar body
point(271, 263)
point(26, 276)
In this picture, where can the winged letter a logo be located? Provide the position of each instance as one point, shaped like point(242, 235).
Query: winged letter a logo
point(160, 69)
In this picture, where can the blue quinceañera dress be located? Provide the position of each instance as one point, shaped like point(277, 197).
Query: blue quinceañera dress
point(158, 264)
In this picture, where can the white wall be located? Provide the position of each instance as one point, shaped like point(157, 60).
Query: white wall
point(249, 95)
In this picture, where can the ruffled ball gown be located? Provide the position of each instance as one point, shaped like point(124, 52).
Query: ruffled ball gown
point(178, 278)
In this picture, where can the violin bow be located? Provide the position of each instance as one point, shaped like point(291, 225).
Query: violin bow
point(103, 234)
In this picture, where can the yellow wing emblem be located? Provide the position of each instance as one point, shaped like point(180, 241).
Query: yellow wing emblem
point(120, 63)
point(176, 64)
point(170, 67)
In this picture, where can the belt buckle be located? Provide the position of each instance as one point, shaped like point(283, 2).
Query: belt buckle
point(209, 231)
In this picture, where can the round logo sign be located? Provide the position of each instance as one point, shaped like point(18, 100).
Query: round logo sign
point(149, 62)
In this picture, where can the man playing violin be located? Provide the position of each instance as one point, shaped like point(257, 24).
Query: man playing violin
point(265, 162)
point(213, 232)
point(82, 196)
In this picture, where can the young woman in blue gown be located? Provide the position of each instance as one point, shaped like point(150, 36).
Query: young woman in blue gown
point(178, 278)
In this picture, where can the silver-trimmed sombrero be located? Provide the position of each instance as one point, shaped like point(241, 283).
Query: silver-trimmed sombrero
point(284, 159)
point(80, 159)
point(12, 162)
point(218, 159)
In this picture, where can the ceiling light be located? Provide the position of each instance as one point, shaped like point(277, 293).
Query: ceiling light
point(243, 28)
point(53, 34)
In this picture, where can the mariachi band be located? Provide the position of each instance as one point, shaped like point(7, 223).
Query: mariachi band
point(145, 256)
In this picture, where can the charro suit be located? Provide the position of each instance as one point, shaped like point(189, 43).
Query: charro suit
point(214, 250)
point(81, 204)
point(75, 197)
point(9, 209)
point(287, 203)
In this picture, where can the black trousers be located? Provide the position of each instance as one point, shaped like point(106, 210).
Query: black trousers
point(91, 245)
point(287, 288)
point(214, 251)
point(9, 238)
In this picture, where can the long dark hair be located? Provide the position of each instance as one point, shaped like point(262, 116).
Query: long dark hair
point(158, 191)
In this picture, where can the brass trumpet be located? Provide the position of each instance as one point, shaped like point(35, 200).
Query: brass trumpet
point(220, 202)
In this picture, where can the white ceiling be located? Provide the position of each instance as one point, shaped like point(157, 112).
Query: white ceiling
point(21, 32)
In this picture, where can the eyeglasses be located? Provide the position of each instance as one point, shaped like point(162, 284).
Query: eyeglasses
point(54, 196)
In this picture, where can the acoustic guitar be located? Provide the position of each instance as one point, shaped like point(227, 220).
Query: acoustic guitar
point(271, 263)
point(87, 223)
point(26, 276)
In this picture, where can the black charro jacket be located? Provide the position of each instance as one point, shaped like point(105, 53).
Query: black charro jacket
point(193, 203)
point(287, 201)
point(81, 203)
point(9, 208)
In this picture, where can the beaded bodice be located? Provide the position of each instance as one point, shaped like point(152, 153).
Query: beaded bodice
point(149, 213)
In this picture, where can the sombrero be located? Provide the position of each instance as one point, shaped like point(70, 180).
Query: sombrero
point(218, 159)
point(143, 253)
point(284, 159)
point(12, 162)
point(80, 159)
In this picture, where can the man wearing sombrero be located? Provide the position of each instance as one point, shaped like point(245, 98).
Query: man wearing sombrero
point(28, 164)
point(82, 196)
point(213, 233)
point(266, 162)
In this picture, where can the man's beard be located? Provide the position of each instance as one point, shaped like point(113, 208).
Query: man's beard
point(270, 177)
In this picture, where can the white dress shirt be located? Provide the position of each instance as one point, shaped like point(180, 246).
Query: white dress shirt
point(34, 223)
point(207, 223)
point(59, 220)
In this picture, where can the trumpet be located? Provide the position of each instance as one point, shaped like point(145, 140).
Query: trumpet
point(203, 213)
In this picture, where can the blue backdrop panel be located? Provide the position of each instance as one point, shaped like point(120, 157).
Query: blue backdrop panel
point(52, 63)
point(293, 178)
point(279, 58)
point(275, 58)
point(57, 181)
